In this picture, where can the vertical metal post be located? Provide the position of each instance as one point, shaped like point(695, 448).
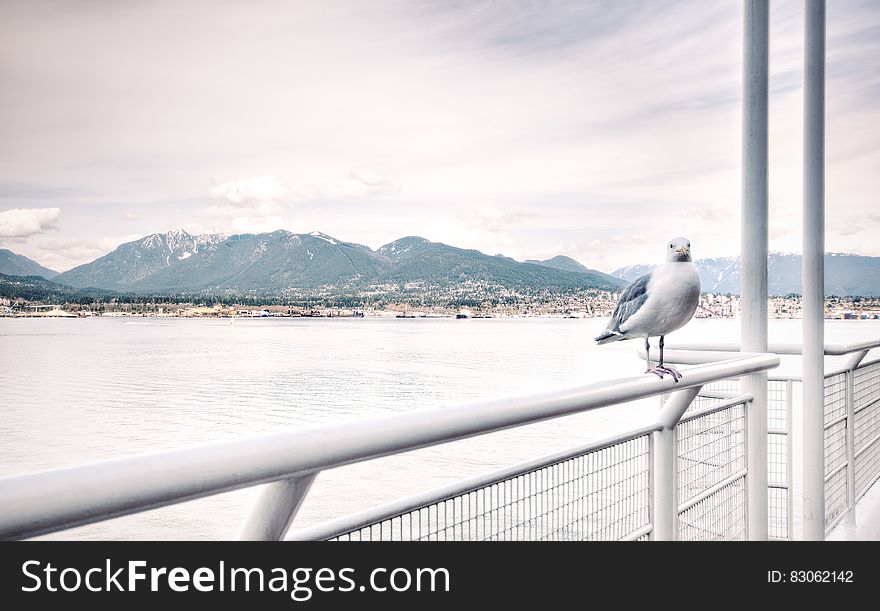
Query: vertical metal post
point(275, 509)
point(665, 484)
point(814, 272)
point(747, 513)
point(754, 250)
point(850, 516)
point(665, 487)
point(851, 364)
point(855, 359)
point(652, 485)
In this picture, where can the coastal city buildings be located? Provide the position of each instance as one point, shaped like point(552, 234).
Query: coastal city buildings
point(467, 303)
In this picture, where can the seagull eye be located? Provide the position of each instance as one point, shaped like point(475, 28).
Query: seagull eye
point(670, 246)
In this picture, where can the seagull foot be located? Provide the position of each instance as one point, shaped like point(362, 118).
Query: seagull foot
point(662, 371)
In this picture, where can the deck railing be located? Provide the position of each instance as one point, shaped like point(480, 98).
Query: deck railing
point(683, 476)
point(851, 425)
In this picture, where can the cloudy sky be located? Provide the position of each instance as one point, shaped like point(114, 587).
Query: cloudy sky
point(593, 129)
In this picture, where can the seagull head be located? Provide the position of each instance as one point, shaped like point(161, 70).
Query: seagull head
point(678, 250)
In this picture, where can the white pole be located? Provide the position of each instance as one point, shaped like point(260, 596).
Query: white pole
point(754, 248)
point(665, 497)
point(275, 509)
point(852, 363)
point(665, 485)
point(814, 271)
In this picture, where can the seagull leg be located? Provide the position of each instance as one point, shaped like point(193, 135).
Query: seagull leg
point(676, 374)
point(661, 370)
point(647, 356)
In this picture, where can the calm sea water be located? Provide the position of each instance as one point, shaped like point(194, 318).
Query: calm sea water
point(74, 391)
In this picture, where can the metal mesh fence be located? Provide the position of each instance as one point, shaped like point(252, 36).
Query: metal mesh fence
point(719, 517)
point(600, 495)
point(835, 396)
point(778, 467)
point(605, 493)
point(711, 450)
point(778, 448)
point(835, 447)
point(722, 386)
point(867, 467)
point(778, 525)
point(777, 405)
point(835, 497)
point(866, 399)
point(866, 384)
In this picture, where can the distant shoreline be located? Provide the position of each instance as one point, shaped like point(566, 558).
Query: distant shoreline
point(385, 315)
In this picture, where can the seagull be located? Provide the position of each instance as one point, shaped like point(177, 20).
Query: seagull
point(657, 304)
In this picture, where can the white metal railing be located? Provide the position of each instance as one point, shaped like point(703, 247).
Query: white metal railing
point(50, 501)
point(851, 439)
point(599, 491)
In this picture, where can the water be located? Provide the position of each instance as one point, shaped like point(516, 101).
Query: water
point(77, 391)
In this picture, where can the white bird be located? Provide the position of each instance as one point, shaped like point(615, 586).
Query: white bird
point(657, 304)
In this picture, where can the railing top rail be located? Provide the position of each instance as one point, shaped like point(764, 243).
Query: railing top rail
point(828, 374)
point(54, 500)
point(776, 348)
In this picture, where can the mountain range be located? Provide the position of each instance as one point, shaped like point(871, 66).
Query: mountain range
point(18, 265)
point(37, 288)
point(132, 263)
point(282, 261)
point(845, 274)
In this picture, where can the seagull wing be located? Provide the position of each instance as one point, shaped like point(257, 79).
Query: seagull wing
point(633, 297)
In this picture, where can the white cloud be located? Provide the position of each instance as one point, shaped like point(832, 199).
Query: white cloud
point(490, 218)
point(251, 192)
point(360, 183)
point(26, 222)
point(849, 229)
point(130, 215)
point(251, 205)
point(263, 203)
point(604, 118)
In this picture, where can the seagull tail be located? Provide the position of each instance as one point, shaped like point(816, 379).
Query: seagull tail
point(609, 336)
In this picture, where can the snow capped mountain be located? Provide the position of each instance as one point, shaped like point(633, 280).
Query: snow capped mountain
point(845, 274)
point(279, 261)
point(323, 236)
point(180, 243)
point(130, 263)
point(282, 261)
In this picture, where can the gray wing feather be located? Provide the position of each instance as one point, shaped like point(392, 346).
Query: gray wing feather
point(630, 301)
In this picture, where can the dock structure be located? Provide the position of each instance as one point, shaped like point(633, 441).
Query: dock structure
point(719, 461)
point(41, 311)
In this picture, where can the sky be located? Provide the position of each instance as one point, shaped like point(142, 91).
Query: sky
point(598, 130)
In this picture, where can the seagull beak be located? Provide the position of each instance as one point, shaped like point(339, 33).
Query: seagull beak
point(681, 250)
